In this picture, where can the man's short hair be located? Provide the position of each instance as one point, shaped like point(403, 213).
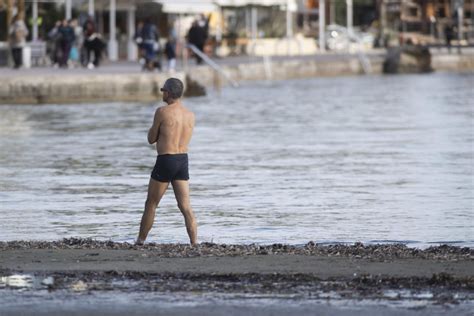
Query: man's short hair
point(174, 87)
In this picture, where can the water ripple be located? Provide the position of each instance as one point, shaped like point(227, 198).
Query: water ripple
point(374, 159)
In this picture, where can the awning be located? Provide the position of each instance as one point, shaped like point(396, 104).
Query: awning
point(188, 6)
point(239, 3)
point(202, 6)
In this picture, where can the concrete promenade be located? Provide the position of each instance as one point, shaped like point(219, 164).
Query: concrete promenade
point(125, 81)
point(128, 67)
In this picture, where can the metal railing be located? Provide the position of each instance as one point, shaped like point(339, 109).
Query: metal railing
point(363, 59)
point(212, 64)
point(266, 61)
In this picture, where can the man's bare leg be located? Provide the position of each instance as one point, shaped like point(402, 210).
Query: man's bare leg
point(156, 190)
point(181, 192)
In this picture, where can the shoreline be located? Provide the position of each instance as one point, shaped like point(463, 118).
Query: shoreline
point(321, 262)
point(85, 270)
point(124, 82)
point(380, 252)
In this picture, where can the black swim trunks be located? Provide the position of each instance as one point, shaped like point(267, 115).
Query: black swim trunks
point(171, 167)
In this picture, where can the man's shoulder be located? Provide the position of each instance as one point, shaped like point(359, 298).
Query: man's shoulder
point(191, 113)
point(190, 117)
point(188, 112)
point(165, 111)
point(160, 111)
point(170, 109)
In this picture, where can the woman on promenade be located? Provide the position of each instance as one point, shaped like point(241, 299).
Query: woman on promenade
point(93, 44)
point(17, 36)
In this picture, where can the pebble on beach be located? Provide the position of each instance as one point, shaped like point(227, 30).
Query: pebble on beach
point(379, 252)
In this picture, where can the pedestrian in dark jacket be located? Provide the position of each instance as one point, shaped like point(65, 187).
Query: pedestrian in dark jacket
point(53, 44)
point(150, 45)
point(66, 40)
point(197, 36)
point(170, 53)
point(449, 35)
point(93, 44)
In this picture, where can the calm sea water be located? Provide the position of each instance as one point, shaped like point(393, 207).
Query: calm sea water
point(371, 159)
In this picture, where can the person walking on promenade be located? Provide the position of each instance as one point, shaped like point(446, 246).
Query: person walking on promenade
point(170, 52)
point(67, 38)
point(150, 44)
point(139, 41)
point(93, 44)
point(197, 36)
point(53, 44)
point(17, 36)
point(171, 130)
point(449, 35)
point(75, 54)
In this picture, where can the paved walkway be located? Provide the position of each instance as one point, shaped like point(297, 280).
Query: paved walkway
point(128, 67)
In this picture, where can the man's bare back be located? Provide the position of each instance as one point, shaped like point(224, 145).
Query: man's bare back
point(172, 129)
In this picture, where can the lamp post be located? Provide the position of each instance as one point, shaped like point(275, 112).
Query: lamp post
point(322, 23)
point(349, 16)
point(35, 20)
point(289, 21)
point(113, 45)
point(460, 14)
point(254, 22)
point(68, 10)
point(90, 8)
point(131, 46)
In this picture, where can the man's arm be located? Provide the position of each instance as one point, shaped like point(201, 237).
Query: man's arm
point(154, 130)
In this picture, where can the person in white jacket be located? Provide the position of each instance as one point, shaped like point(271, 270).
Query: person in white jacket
point(17, 38)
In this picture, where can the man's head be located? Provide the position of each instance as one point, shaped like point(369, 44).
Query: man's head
point(172, 90)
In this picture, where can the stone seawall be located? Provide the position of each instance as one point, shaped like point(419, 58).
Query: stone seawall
point(77, 88)
point(288, 69)
point(453, 62)
point(80, 86)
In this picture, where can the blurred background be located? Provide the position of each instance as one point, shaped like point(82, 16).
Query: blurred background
point(243, 27)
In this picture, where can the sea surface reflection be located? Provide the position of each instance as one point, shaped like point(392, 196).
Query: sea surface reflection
point(371, 159)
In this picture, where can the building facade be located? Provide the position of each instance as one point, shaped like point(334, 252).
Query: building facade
point(425, 21)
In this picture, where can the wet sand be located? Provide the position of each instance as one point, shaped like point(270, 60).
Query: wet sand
point(324, 262)
point(148, 261)
point(442, 265)
point(308, 272)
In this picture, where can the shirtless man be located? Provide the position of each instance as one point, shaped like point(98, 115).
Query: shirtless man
point(171, 131)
